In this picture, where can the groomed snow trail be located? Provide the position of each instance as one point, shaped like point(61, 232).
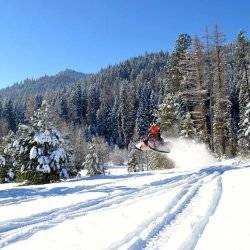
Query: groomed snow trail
point(149, 210)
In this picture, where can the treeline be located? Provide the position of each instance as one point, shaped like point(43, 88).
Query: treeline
point(20, 91)
point(200, 90)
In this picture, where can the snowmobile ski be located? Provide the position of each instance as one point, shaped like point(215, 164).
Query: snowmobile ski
point(143, 147)
point(159, 150)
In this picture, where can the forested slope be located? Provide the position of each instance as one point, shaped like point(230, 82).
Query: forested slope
point(200, 90)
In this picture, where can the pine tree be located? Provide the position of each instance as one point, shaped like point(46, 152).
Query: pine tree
point(177, 63)
point(79, 105)
point(91, 163)
point(115, 130)
point(188, 130)
point(199, 93)
point(6, 170)
point(244, 140)
point(167, 116)
point(242, 49)
point(103, 114)
point(30, 107)
point(10, 116)
point(39, 151)
point(93, 103)
point(144, 113)
point(222, 130)
point(244, 91)
point(127, 112)
point(63, 109)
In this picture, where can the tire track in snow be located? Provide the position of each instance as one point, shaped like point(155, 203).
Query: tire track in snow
point(185, 230)
point(188, 221)
point(153, 227)
point(25, 194)
point(199, 227)
point(20, 229)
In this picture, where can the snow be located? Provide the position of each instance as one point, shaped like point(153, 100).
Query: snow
point(33, 152)
point(43, 137)
point(2, 161)
point(10, 174)
point(58, 154)
point(201, 207)
point(43, 167)
point(229, 227)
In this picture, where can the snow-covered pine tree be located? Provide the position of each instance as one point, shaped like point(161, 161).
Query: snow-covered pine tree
point(167, 116)
point(153, 106)
point(79, 103)
point(243, 100)
point(10, 116)
point(144, 118)
point(127, 112)
point(63, 109)
point(30, 107)
point(185, 96)
point(222, 130)
point(209, 85)
point(242, 50)
point(3, 173)
point(188, 130)
point(103, 114)
point(6, 170)
point(91, 163)
point(115, 124)
point(177, 64)
point(93, 103)
point(244, 91)
point(39, 151)
point(199, 92)
point(3, 128)
point(244, 141)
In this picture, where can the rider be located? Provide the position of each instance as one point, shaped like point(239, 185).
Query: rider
point(154, 134)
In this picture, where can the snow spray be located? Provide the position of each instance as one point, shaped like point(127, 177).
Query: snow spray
point(188, 154)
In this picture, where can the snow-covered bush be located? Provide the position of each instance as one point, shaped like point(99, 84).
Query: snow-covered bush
point(119, 156)
point(79, 147)
point(159, 161)
point(134, 161)
point(92, 163)
point(39, 151)
point(101, 149)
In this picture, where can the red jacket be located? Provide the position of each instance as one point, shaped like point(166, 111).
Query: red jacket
point(155, 129)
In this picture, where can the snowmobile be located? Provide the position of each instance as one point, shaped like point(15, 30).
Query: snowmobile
point(152, 143)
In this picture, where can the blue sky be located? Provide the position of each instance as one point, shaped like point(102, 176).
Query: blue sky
point(46, 36)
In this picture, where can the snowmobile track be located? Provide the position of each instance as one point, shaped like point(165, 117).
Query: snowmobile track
point(192, 216)
point(152, 228)
point(158, 227)
point(9, 230)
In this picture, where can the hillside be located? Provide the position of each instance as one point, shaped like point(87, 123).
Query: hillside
point(201, 92)
point(41, 85)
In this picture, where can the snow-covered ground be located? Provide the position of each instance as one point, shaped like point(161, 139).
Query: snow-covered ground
point(201, 208)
